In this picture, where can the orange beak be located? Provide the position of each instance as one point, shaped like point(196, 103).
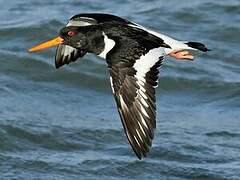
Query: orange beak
point(54, 42)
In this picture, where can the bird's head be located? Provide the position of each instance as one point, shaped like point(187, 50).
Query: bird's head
point(87, 38)
point(74, 36)
point(83, 32)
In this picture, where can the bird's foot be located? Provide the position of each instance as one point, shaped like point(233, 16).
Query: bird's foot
point(182, 55)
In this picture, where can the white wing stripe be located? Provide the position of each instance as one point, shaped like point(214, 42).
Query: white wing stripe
point(139, 82)
point(139, 135)
point(111, 82)
point(143, 121)
point(142, 94)
point(143, 101)
point(141, 128)
point(137, 141)
point(143, 65)
point(144, 111)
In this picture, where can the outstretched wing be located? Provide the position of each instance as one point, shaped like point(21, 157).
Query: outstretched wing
point(66, 54)
point(134, 76)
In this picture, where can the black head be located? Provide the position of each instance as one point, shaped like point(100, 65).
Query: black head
point(74, 36)
point(83, 32)
point(88, 38)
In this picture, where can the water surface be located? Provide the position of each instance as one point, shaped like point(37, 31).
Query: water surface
point(63, 124)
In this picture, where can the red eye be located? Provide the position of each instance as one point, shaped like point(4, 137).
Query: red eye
point(71, 33)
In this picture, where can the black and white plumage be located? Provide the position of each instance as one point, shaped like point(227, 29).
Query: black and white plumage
point(134, 55)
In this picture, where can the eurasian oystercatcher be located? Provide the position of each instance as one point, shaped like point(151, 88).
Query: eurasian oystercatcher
point(134, 55)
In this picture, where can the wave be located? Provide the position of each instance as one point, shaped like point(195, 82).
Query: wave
point(58, 138)
point(223, 134)
point(75, 151)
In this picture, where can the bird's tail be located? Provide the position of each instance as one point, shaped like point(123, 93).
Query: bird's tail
point(197, 46)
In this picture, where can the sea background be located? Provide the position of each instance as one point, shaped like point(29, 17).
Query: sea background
point(63, 124)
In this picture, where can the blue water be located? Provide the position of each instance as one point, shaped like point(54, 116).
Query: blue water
point(63, 124)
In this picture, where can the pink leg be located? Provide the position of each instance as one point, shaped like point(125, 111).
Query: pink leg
point(182, 55)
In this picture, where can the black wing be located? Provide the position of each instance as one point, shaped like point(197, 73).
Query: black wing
point(133, 65)
point(135, 98)
point(66, 54)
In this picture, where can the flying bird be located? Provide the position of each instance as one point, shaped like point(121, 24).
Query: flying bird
point(134, 55)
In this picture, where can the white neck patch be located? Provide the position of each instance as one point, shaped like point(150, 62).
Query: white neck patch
point(108, 45)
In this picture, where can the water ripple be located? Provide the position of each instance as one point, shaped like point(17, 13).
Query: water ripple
point(63, 124)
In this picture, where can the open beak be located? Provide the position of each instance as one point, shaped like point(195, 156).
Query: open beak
point(54, 42)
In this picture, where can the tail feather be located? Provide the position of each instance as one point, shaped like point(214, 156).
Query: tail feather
point(197, 45)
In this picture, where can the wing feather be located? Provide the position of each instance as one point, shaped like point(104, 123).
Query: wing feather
point(66, 54)
point(136, 104)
